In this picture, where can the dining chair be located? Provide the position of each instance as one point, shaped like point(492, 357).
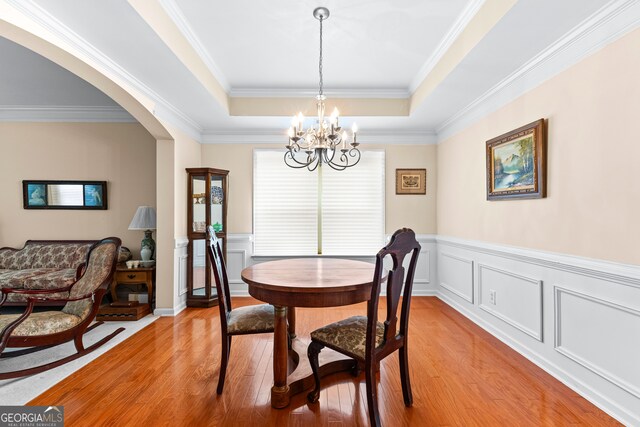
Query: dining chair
point(34, 331)
point(365, 339)
point(253, 319)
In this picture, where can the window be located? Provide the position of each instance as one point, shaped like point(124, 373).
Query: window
point(297, 212)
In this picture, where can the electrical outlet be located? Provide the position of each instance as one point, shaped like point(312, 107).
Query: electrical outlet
point(492, 296)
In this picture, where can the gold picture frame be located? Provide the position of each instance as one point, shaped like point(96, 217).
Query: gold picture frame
point(516, 163)
point(411, 181)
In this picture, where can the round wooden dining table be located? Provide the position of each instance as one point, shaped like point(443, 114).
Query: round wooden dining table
point(305, 282)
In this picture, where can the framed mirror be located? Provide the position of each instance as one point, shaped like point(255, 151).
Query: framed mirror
point(90, 195)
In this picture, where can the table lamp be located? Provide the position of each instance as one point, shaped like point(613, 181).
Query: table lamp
point(145, 219)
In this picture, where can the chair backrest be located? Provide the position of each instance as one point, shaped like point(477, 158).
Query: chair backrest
point(214, 252)
point(100, 267)
point(402, 243)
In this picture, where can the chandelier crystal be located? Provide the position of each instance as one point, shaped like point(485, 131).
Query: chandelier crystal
point(325, 142)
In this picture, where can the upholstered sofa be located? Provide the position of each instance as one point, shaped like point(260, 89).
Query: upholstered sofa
point(42, 264)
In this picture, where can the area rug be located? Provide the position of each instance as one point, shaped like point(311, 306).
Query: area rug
point(19, 391)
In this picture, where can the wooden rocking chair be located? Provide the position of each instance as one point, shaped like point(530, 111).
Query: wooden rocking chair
point(40, 330)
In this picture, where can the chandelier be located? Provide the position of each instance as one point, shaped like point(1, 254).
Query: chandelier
point(324, 142)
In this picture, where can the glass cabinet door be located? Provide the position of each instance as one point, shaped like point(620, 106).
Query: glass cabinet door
point(199, 264)
point(199, 204)
point(217, 203)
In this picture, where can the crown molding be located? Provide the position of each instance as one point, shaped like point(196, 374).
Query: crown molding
point(312, 93)
point(458, 27)
point(609, 23)
point(175, 13)
point(270, 136)
point(64, 113)
point(106, 65)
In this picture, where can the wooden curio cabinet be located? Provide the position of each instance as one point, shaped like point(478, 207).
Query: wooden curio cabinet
point(207, 205)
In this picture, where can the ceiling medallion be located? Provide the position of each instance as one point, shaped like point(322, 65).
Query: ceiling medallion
point(324, 142)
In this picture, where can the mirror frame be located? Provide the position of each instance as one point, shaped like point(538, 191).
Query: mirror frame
point(46, 205)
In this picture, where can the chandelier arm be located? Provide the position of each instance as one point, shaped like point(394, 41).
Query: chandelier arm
point(295, 148)
point(354, 152)
point(337, 167)
point(326, 156)
point(289, 157)
point(329, 160)
point(315, 165)
point(340, 166)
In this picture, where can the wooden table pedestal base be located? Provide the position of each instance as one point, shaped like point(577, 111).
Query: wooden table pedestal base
point(301, 377)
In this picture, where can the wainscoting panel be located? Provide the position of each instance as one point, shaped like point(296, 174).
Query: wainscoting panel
point(587, 311)
point(456, 275)
point(239, 251)
point(236, 262)
point(517, 300)
point(600, 335)
point(179, 279)
point(182, 274)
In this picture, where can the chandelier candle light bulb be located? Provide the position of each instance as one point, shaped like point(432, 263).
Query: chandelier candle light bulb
point(325, 142)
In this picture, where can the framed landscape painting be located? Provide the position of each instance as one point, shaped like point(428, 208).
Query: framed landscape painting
point(516, 163)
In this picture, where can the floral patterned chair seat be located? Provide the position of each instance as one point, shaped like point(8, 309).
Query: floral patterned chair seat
point(349, 336)
point(253, 319)
point(44, 323)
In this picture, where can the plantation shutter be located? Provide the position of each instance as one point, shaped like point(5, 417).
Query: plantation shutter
point(286, 201)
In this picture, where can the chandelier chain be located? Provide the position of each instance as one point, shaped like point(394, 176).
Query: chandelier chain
point(320, 61)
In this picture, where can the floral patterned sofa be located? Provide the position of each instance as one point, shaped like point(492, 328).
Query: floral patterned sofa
point(42, 264)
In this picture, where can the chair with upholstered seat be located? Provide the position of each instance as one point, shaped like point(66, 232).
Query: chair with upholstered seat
point(253, 319)
point(37, 331)
point(364, 338)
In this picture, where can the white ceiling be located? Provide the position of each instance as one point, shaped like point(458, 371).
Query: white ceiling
point(367, 44)
point(372, 49)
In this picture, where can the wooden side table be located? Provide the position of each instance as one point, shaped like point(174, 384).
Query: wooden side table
point(134, 276)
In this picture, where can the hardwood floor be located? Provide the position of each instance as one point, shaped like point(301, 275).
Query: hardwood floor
point(460, 375)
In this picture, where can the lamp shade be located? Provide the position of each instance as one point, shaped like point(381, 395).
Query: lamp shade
point(144, 219)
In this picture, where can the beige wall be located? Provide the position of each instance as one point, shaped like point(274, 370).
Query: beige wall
point(415, 211)
point(123, 154)
point(593, 198)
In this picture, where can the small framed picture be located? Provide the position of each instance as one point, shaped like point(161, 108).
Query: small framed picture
point(411, 181)
point(35, 195)
point(93, 195)
point(516, 163)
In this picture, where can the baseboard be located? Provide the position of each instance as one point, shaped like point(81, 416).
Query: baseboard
point(170, 311)
point(561, 375)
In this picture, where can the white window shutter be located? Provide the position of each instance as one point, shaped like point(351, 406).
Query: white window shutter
point(353, 207)
point(285, 207)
